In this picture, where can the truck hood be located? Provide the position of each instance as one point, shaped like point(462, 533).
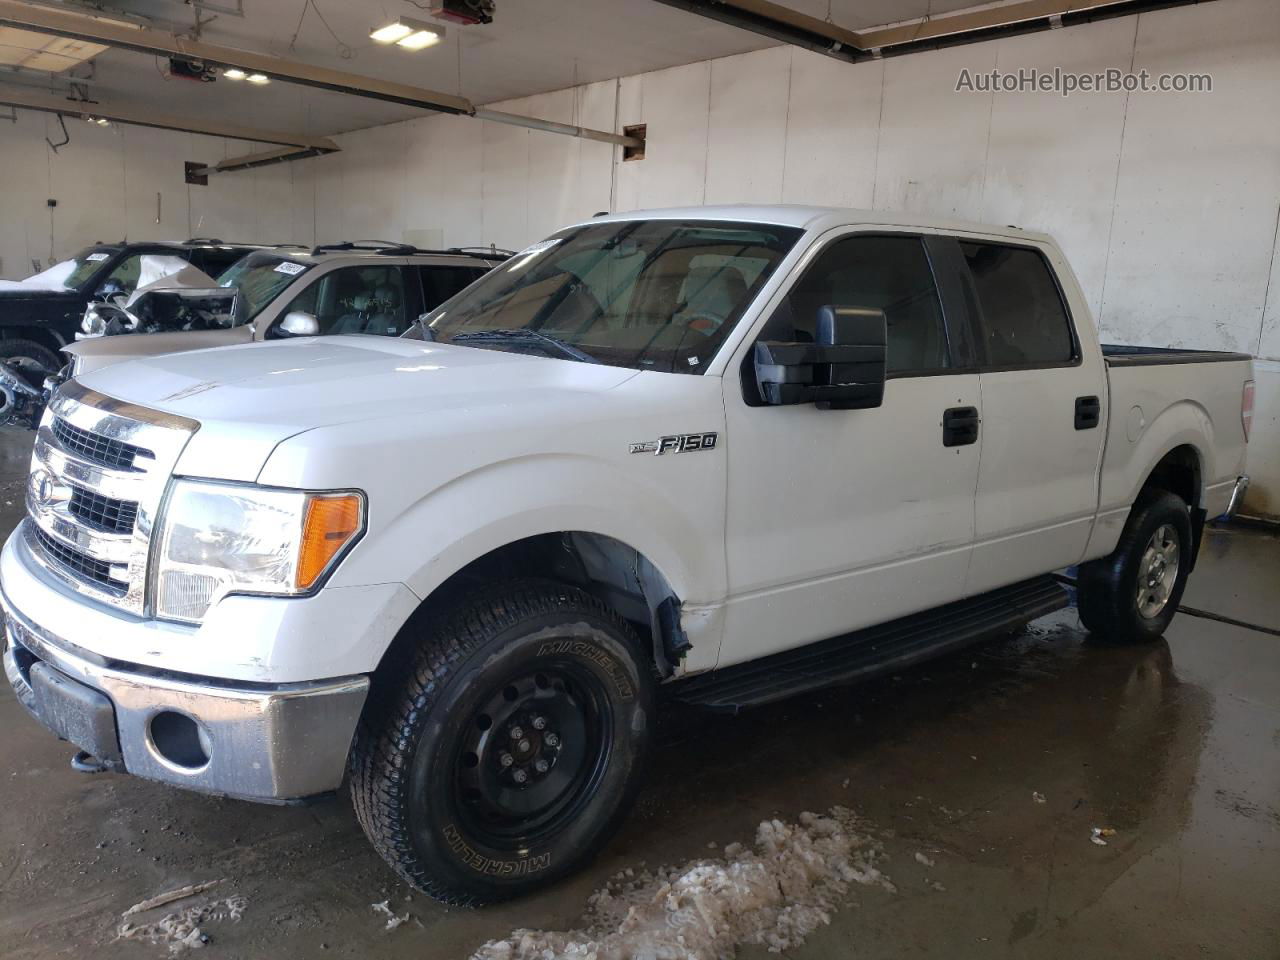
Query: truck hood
point(248, 398)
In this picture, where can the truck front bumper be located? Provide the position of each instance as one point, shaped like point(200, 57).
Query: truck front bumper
point(267, 742)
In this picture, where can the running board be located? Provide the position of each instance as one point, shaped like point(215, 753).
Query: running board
point(886, 647)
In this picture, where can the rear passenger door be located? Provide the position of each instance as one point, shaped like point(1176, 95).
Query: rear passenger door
point(442, 281)
point(1042, 418)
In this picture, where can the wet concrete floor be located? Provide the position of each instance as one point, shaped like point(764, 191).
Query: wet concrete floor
point(1174, 746)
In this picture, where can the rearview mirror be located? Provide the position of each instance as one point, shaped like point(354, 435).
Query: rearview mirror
point(297, 323)
point(843, 369)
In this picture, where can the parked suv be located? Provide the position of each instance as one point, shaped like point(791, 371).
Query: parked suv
point(41, 314)
point(370, 287)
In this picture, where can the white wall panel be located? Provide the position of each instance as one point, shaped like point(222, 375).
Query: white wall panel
point(87, 179)
point(747, 127)
point(833, 131)
point(150, 169)
point(1052, 160)
point(505, 190)
point(674, 104)
point(444, 185)
point(25, 221)
point(933, 141)
point(1195, 211)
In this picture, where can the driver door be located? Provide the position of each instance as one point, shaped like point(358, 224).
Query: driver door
point(841, 519)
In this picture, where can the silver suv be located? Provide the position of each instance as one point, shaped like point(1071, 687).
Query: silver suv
point(371, 288)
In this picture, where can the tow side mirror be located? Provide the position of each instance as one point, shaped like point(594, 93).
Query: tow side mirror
point(296, 323)
point(844, 369)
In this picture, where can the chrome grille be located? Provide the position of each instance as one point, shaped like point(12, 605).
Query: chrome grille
point(102, 513)
point(97, 448)
point(81, 564)
point(98, 475)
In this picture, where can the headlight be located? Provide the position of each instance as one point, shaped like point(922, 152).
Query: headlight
point(221, 538)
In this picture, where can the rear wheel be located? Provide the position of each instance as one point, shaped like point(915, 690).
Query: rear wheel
point(513, 750)
point(1132, 594)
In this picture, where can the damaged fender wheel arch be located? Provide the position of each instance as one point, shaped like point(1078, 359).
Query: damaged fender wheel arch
point(513, 747)
point(1131, 595)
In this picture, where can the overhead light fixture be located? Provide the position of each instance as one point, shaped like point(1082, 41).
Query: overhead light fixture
point(258, 78)
point(409, 33)
point(234, 73)
point(103, 122)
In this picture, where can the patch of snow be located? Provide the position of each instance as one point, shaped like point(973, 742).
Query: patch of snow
point(774, 896)
point(181, 930)
point(393, 920)
point(922, 859)
point(54, 278)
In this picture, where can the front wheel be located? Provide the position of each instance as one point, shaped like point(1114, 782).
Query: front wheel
point(29, 356)
point(1132, 594)
point(514, 748)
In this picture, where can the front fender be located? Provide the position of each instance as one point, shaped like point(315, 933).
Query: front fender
point(677, 525)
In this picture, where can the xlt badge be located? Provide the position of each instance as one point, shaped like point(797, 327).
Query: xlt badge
point(680, 443)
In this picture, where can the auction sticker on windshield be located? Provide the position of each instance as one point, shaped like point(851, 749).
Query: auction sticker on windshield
point(96, 257)
point(292, 269)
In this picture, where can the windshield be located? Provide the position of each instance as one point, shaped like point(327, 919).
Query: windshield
point(66, 275)
point(260, 277)
point(647, 294)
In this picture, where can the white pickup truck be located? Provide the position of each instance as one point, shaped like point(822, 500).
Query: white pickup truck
point(725, 454)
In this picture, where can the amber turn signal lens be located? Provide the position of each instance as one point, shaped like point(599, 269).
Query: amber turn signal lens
point(331, 523)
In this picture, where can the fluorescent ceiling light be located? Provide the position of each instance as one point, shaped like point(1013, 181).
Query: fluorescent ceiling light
point(391, 33)
point(258, 78)
point(409, 33)
point(233, 73)
point(420, 40)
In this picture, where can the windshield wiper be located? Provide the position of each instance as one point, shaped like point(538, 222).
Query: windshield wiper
point(523, 335)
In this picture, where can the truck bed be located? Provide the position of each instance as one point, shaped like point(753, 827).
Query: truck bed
point(1119, 355)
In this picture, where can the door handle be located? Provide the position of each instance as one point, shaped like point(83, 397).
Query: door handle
point(1088, 412)
point(960, 426)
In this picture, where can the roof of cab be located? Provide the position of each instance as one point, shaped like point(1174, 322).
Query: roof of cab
point(820, 218)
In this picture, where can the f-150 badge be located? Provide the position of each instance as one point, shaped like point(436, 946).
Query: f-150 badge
point(680, 443)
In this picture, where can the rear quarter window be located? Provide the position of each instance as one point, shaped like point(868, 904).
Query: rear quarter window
point(1024, 319)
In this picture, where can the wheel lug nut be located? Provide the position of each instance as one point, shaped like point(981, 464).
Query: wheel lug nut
point(506, 759)
point(542, 766)
point(519, 776)
point(539, 723)
point(551, 740)
point(516, 733)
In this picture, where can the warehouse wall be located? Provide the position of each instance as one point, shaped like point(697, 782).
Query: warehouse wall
point(105, 183)
point(1167, 204)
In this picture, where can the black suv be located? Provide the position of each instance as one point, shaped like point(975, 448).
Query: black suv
point(40, 316)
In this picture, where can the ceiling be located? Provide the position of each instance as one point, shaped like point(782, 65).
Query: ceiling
point(532, 46)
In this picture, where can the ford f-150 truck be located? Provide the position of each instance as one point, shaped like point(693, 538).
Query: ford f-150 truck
point(723, 455)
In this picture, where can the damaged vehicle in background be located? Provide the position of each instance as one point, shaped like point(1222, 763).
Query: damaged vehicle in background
point(367, 287)
point(372, 288)
point(735, 453)
point(41, 314)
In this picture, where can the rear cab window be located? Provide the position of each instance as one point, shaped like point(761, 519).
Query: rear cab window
point(1023, 318)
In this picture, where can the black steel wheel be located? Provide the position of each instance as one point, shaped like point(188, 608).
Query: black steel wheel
point(514, 749)
point(533, 754)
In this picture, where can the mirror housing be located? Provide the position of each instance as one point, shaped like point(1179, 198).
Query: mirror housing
point(297, 323)
point(844, 369)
